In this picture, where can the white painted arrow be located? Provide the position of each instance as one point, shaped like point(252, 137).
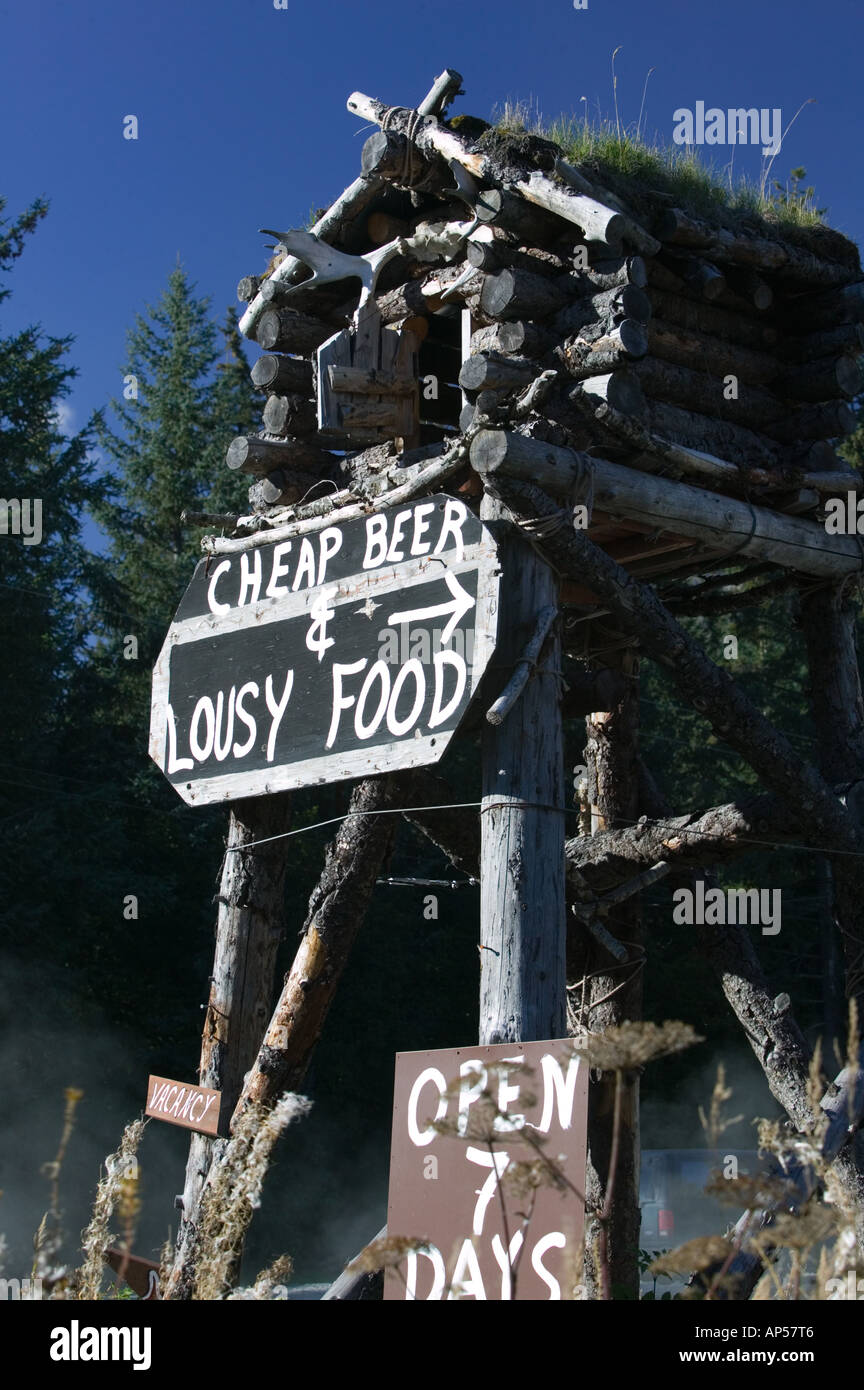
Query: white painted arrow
point(457, 608)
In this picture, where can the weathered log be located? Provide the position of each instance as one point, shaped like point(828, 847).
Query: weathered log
point(290, 415)
point(522, 909)
point(285, 330)
point(822, 380)
point(512, 214)
point(247, 288)
point(702, 277)
point(707, 394)
point(730, 477)
point(490, 371)
point(747, 284)
point(688, 348)
point(722, 522)
point(708, 318)
point(247, 454)
point(624, 343)
point(630, 230)
point(397, 486)
point(599, 223)
point(607, 308)
point(249, 927)
point(526, 338)
point(332, 300)
point(827, 420)
point(620, 389)
point(282, 487)
point(336, 910)
point(284, 375)
point(405, 302)
point(514, 293)
point(760, 253)
point(390, 155)
point(810, 312)
point(497, 254)
point(608, 274)
point(612, 1245)
point(723, 437)
point(846, 337)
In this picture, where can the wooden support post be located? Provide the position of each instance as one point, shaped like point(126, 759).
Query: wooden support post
point(522, 914)
point(615, 997)
point(249, 927)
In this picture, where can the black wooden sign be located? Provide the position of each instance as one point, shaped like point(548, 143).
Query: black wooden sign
point(346, 651)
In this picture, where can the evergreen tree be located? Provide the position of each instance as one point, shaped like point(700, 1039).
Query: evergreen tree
point(48, 482)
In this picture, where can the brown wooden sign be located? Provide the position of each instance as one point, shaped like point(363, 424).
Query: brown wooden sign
point(447, 1189)
point(192, 1107)
point(141, 1275)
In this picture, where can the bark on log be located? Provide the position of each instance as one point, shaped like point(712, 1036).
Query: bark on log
point(259, 457)
point(688, 348)
point(699, 391)
point(611, 755)
point(721, 522)
point(505, 210)
point(517, 293)
point(336, 909)
point(822, 380)
point(619, 389)
point(497, 255)
point(290, 415)
point(750, 286)
point(247, 288)
point(285, 375)
point(730, 478)
point(828, 420)
point(722, 437)
point(607, 307)
point(522, 909)
point(760, 253)
point(702, 278)
point(846, 337)
point(284, 330)
point(250, 924)
point(809, 313)
point(527, 339)
point(492, 372)
point(623, 344)
point(697, 316)
point(282, 487)
point(608, 275)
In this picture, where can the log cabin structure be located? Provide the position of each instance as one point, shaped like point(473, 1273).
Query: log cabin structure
point(647, 405)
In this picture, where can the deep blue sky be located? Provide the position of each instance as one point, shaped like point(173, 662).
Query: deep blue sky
point(243, 121)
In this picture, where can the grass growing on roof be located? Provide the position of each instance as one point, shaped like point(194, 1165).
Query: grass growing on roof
point(611, 152)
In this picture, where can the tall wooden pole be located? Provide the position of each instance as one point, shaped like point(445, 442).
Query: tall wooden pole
point(611, 754)
point(522, 910)
point(249, 927)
